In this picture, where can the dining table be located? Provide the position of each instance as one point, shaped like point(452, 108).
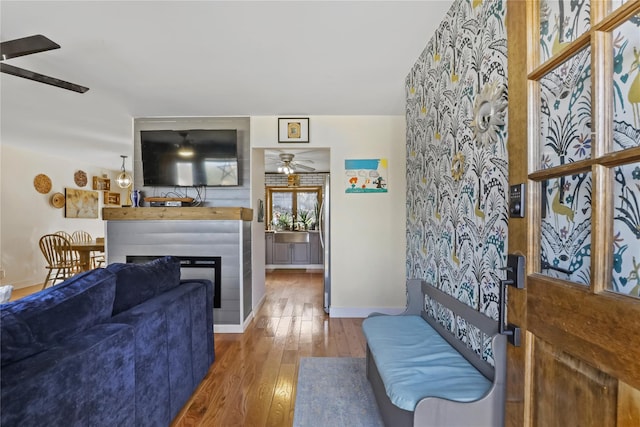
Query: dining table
point(84, 250)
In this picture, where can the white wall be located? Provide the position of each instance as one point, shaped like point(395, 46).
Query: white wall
point(367, 230)
point(26, 214)
point(257, 228)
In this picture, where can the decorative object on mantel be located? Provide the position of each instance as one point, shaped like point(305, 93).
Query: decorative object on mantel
point(80, 178)
point(57, 200)
point(293, 129)
point(42, 183)
point(135, 198)
point(81, 203)
point(110, 198)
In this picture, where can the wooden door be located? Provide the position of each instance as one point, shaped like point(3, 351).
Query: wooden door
point(574, 139)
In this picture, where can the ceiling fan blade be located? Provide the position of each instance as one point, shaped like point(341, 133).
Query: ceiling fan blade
point(21, 72)
point(303, 167)
point(26, 46)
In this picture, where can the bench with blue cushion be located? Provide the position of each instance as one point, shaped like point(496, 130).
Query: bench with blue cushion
point(423, 375)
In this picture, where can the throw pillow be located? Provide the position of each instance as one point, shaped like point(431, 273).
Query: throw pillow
point(136, 283)
point(36, 322)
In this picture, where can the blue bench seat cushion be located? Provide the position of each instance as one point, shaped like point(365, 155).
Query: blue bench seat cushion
point(415, 362)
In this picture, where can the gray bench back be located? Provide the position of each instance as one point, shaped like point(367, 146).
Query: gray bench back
point(474, 317)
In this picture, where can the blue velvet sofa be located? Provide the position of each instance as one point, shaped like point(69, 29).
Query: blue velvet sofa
point(120, 346)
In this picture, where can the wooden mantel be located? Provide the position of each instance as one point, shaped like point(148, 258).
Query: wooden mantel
point(179, 213)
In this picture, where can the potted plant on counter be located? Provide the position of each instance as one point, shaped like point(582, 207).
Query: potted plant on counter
point(304, 220)
point(284, 221)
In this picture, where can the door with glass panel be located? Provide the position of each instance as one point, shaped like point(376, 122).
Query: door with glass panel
point(581, 353)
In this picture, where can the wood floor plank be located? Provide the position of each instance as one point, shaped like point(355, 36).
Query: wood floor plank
point(282, 398)
point(253, 380)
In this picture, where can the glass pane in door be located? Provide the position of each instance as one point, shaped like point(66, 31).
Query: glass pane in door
point(566, 228)
point(626, 230)
point(561, 22)
point(614, 4)
point(626, 85)
point(565, 112)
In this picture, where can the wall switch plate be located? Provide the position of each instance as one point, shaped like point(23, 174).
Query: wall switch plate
point(516, 201)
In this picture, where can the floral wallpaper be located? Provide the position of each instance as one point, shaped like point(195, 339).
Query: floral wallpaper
point(457, 163)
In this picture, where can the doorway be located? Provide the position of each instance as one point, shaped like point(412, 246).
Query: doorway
point(296, 211)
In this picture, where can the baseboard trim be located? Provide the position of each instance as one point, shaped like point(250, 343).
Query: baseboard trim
point(361, 312)
point(259, 304)
point(227, 329)
point(311, 267)
point(233, 329)
point(247, 321)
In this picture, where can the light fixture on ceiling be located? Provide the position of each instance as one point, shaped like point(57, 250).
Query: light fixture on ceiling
point(186, 148)
point(286, 169)
point(124, 179)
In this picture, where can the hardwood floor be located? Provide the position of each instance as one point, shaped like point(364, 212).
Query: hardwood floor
point(23, 292)
point(253, 379)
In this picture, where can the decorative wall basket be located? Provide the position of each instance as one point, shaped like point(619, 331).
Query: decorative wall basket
point(42, 183)
point(57, 200)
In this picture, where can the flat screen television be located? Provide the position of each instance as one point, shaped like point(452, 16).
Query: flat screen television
point(189, 158)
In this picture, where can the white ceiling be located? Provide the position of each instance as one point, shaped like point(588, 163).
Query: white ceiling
point(203, 58)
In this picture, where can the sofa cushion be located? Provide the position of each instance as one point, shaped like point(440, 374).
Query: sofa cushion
point(136, 283)
point(38, 321)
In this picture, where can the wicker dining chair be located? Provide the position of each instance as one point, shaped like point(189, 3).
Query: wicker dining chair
point(59, 256)
point(69, 237)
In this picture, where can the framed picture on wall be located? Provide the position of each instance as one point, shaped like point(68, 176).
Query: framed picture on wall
point(80, 203)
point(293, 129)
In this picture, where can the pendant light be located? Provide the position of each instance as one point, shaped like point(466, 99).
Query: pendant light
point(186, 148)
point(124, 179)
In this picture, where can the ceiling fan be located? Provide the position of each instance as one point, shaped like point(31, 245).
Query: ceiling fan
point(27, 46)
point(288, 165)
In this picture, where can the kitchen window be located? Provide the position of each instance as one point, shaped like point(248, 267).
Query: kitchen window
point(293, 208)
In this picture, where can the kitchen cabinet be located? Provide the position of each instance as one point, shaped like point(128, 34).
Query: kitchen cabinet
point(268, 252)
point(291, 253)
point(280, 251)
point(315, 249)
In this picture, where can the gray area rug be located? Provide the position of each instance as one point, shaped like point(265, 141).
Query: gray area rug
point(334, 391)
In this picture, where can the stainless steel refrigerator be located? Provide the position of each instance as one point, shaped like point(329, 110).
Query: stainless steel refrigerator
point(325, 240)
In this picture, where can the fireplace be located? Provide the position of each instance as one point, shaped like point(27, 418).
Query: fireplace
point(193, 267)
